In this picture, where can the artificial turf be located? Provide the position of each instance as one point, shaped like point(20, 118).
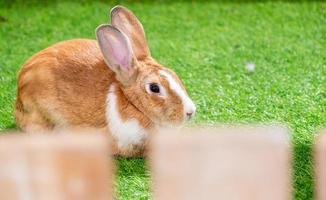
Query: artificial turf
point(208, 44)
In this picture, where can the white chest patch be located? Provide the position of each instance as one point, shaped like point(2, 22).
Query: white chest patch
point(128, 132)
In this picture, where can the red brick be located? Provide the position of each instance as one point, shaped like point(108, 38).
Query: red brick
point(55, 166)
point(221, 163)
point(320, 166)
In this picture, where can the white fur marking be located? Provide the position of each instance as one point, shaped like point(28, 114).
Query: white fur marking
point(189, 106)
point(126, 132)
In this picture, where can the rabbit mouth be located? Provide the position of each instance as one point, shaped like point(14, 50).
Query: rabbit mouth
point(175, 123)
point(168, 126)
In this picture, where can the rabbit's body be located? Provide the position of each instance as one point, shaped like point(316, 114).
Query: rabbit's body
point(54, 92)
point(54, 86)
point(111, 84)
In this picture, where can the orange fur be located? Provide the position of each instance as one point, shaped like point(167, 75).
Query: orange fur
point(68, 78)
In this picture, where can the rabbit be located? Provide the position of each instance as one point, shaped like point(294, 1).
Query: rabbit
point(111, 83)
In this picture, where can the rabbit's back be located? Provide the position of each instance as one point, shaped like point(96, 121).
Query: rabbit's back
point(66, 83)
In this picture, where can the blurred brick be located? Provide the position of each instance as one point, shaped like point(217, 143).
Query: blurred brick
point(320, 166)
point(55, 166)
point(239, 163)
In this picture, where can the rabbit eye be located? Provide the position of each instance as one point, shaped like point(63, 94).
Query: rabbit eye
point(154, 88)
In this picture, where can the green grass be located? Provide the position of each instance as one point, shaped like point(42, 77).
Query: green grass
point(208, 45)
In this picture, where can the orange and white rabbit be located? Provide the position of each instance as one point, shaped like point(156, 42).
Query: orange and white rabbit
point(112, 83)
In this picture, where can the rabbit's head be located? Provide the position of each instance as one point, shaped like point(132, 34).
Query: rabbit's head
point(154, 90)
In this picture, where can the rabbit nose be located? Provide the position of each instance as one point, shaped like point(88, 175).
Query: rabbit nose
point(190, 110)
point(189, 114)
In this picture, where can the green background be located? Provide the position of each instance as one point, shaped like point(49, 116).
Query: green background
point(208, 44)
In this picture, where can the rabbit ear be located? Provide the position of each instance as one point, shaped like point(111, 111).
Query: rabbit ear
point(127, 22)
point(116, 51)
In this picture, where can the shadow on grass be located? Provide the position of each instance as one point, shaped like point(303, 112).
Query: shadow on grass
point(10, 128)
point(127, 167)
point(303, 170)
